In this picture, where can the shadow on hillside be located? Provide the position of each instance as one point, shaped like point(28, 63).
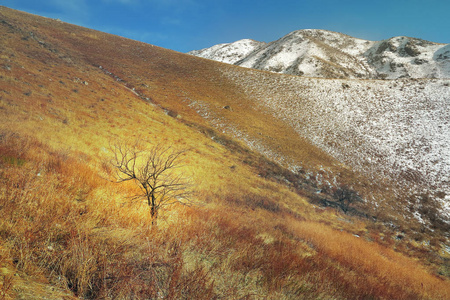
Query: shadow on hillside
point(302, 183)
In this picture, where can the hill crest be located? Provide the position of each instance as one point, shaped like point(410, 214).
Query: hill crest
point(267, 226)
point(328, 54)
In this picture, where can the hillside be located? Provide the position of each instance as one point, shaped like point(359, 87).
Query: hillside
point(387, 131)
point(229, 53)
point(266, 222)
point(327, 54)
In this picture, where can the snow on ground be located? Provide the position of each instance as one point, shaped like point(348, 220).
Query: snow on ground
point(229, 53)
point(406, 57)
point(327, 54)
point(311, 52)
point(385, 129)
point(278, 59)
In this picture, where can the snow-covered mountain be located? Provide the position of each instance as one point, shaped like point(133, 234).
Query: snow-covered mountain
point(403, 57)
point(229, 53)
point(321, 53)
point(394, 130)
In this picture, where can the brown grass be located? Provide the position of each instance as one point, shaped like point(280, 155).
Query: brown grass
point(67, 231)
point(60, 224)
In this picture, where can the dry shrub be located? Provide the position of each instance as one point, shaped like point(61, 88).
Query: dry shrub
point(6, 275)
point(6, 287)
point(81, 265)
point(277, 263)
point(56, 221)
point(50, 222)
point(12, 147)
point(194, 284)
point(243, 263)
point(387, 273)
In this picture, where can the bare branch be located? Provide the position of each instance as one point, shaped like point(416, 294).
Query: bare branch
point(153, 171)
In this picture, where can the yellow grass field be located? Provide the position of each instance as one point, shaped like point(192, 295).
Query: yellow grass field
point(68, 231)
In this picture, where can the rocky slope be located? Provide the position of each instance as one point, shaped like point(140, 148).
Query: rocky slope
point(394, 131)
point(321, 53)
point(388, 130)
point(231, 52)
point(68, 231)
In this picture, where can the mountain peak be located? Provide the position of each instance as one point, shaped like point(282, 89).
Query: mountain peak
point(229, 52)
point(329, 54)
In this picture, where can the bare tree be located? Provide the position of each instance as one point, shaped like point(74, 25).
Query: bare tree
point(153, 170)
point(345, 196)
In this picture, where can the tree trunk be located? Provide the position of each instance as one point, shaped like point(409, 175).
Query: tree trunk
point(153, 208)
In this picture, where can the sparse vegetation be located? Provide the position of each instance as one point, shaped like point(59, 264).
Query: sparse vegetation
point(68, 232)
point(345, 197)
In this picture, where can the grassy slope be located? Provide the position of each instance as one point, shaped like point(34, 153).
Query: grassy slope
point(67, 230)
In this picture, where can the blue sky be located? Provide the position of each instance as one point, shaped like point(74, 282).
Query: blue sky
point(185, 25)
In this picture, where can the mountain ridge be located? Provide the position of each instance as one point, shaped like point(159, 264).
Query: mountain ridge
point(328, 54)
point(269, 224)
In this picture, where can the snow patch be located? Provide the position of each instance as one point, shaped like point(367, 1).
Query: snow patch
point(321, 53)
point(398, 130)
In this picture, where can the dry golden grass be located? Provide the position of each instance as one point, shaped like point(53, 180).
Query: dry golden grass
point(68, 231)
point(67, 225)
point(374, 263)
